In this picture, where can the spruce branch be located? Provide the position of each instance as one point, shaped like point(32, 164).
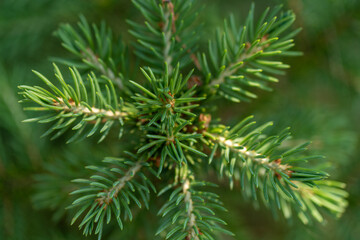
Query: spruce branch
point(105, 194)
point(76, 106)
point(120, 184)
point(167, 110)
point(173, 126)
point(235, 66)
point(258, 162)
point(254, 156)
point(189, 213)
point(168, 28)
point(238, 60)
point(96, 49)
point(91, 59)
point(167, 36)
point(92, 111)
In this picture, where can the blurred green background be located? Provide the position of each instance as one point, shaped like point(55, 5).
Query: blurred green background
point(319, 98)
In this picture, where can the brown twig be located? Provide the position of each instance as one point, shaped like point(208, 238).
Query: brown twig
point(130, 174)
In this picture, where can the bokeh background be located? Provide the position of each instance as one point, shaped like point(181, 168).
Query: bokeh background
point(319, 98)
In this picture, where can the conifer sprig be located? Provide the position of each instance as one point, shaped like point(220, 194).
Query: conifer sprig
point(77, 107)
point(243, 58)
point(189, 213)
point(95, 49)
point(168, 34)
point(172, 124)
point(106, 195)
point(259, 163)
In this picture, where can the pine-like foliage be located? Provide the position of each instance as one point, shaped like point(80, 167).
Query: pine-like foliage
point(170, 114)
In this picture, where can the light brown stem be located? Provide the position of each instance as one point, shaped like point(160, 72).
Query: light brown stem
point(232, 68)
point(89, 112)
point(94, 60)
point(130, 174)
point(190, 211)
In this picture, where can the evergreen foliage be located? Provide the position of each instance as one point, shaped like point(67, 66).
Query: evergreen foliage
point(75, 102)
point(241, 58)
point(166, 101)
